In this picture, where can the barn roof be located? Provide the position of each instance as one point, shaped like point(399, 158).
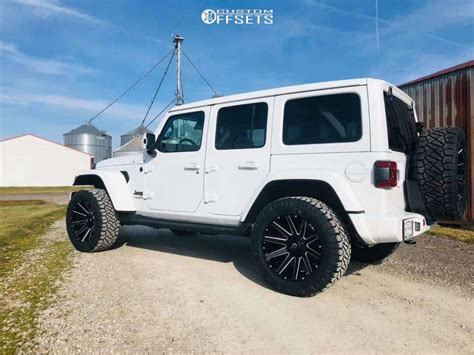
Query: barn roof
point(441, 72)
point(44, 139)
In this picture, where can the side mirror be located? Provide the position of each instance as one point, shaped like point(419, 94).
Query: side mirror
point(149, 143)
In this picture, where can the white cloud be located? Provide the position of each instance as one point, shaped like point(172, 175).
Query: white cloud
point(10, 51)
point(54, 8)
point(85, 107)
point(423, 21)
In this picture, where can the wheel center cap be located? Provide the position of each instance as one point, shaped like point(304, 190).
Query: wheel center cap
point(294, 246)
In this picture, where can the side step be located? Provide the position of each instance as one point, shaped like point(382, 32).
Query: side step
point(242, 229)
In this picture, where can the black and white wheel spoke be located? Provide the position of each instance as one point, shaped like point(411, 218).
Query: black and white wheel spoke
point(285, 264)
point(79, 213)
point(282, 230)
point(277, 253)
point(292, 248)
point(276, 240)
point(83, 221)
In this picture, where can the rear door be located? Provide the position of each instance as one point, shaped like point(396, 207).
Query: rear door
point(238, 154)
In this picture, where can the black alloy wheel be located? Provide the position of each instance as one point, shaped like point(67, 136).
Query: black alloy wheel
point(82, 221)
point(91, 220)
point(292, 247)
point(300, 246)
point(461, 177)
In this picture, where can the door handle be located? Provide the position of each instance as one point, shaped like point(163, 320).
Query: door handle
point(248, 165)
point(191, 167)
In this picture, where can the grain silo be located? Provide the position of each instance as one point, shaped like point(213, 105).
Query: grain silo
point(89, 139)
point(137, 132)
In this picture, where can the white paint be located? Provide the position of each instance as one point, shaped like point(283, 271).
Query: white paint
point(33, 161)
point(223, 184)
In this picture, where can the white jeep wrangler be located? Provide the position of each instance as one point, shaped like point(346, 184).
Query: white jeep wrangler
point(315, 174)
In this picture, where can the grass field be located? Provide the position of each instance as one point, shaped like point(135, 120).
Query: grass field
point(39, 190)
point(465, 235)
point(30, 265)
point(21, 224)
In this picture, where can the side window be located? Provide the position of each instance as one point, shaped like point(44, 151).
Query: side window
point(242, 127)
point(322, 119)
point(182, 133)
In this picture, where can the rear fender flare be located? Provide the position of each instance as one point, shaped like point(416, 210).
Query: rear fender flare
point(338, 182)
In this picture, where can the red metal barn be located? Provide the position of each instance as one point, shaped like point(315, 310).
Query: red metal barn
point(445, 99)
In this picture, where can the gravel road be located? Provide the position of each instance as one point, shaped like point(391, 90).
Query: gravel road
point(158, 292)
point(58, 198)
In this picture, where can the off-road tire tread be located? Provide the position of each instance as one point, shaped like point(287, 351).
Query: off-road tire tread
point(110, 223)
point(338, 262)
point(435, 165)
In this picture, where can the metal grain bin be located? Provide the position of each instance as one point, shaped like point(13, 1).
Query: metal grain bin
point(137, 132)
point(89, 139)
point(446, 99)
point(130, 148)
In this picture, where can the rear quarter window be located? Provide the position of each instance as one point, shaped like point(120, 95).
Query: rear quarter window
point(322, 119)
point(401, 124)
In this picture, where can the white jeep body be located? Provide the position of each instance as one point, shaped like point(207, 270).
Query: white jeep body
point(224, 189)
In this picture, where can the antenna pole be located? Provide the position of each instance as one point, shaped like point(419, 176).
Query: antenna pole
point(178, 40)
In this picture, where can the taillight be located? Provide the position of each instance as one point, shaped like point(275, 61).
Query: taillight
point(385, 174)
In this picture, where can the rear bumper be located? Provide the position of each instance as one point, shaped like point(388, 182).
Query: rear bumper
point(389, 228)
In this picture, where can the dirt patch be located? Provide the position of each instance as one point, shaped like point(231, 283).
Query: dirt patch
point(162, 293)
point(439, 261)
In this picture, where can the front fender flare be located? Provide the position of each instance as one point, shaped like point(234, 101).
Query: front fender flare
point(114, 183)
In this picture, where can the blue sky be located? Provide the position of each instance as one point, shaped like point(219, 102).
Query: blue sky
point(63, 60)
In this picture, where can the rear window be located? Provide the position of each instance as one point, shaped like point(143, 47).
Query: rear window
point(401, 125)
point(322, 119)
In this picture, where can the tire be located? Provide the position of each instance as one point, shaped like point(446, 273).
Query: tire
point(373, 254)
point(181, 232)
point(91, 221)
point(327, 237)
point(440, 168)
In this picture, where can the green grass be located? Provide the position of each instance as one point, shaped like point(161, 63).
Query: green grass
point(6, 203)
point(20, 227)
point(39, 190)
point(464, 235)
point(32, 293)
point(27, 284)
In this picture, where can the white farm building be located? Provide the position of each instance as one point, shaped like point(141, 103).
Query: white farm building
point(29, 160)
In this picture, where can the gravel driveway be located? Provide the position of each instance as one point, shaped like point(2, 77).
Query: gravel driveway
point(60, 198)
point(162, 293)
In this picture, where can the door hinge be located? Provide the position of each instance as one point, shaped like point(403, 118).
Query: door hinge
point(147, 195)
point(210, 168)
point(147, 169)
point(210, 198)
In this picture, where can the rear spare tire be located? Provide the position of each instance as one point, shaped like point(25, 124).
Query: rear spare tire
point(440, 168)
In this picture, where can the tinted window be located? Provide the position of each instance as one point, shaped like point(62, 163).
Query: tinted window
point(182, 133)
point(242, 127)
point(322, 119)
point(401, 126)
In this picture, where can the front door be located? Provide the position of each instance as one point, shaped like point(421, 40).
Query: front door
point(238, 154)
point(174, 179)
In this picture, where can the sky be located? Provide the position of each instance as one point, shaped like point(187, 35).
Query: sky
point(62, 61)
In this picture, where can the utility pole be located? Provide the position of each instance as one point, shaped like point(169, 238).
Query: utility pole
point(179, 76)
